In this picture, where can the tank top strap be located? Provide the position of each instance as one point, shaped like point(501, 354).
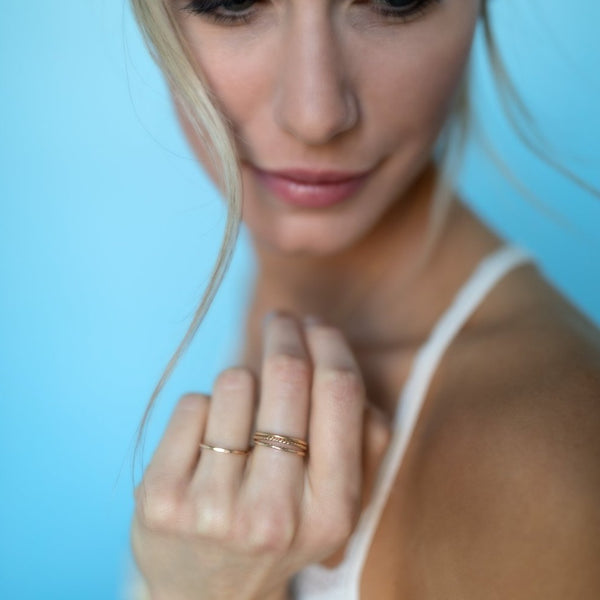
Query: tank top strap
point(343, 581)
point(488, 272)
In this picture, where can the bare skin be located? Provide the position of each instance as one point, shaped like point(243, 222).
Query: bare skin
point(498, 495)
point(543, 358)
point(387, 311)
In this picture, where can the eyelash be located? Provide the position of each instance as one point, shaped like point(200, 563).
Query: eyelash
point(209, 9)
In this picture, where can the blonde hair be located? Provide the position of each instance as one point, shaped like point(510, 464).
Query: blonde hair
point(170, 51)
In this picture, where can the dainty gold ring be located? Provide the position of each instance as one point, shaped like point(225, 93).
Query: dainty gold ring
point(283, 439)
point(285, 443)
point(224, 450)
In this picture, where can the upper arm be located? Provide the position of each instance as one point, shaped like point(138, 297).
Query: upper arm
point(515, 532)
point(510, 492)
point(498, 496)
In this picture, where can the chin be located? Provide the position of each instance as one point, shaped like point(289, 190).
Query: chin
point(302, 235)
point(301, 247)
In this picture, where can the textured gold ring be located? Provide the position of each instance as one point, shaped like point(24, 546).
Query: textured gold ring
point(224, 450)
point(282, 448)
point(285, 443)
point(281, 439)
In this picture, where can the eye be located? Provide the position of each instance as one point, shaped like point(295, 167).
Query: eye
point(237, 5)
point(405, 4)
point(403, 9)
point(222, 11)
point(236, 12)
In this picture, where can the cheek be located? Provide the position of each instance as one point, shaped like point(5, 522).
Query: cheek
point(410, 84)
point(234, 73)
point(235, 69)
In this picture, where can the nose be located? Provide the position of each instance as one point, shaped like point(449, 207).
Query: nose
point(313, 98)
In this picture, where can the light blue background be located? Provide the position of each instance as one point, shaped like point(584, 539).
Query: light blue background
point(108, 232)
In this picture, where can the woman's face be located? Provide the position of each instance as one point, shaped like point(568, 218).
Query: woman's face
point(322, 91)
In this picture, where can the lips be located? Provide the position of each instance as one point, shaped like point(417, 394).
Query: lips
point(311, 188)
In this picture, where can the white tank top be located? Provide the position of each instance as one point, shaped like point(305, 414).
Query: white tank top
point(342, 582)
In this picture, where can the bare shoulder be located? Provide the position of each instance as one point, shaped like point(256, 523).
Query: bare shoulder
point(533, 354)
point(508, 461)
point(499, 493)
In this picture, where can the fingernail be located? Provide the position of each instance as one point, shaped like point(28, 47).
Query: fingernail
point(269, 317)
point(309, 320)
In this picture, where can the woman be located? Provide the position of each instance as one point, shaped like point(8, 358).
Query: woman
point(419, 418)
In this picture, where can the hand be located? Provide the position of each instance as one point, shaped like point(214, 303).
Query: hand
point(227, 526)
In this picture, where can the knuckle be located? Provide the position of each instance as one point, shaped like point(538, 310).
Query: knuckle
point(213, 518)
point(157, 507)
point(287, 368)
point(234, 378)
point(267, 530)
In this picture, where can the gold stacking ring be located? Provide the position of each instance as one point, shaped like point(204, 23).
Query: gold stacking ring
point(284, 443)
point(224, 450)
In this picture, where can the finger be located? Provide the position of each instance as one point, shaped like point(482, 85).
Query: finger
point(283, 408)
point(229, 426)
point(177, 453)
point(377, 436)
point(336, 419)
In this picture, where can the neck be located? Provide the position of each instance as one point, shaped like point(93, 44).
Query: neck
point(348, 289)
point(372, 291)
